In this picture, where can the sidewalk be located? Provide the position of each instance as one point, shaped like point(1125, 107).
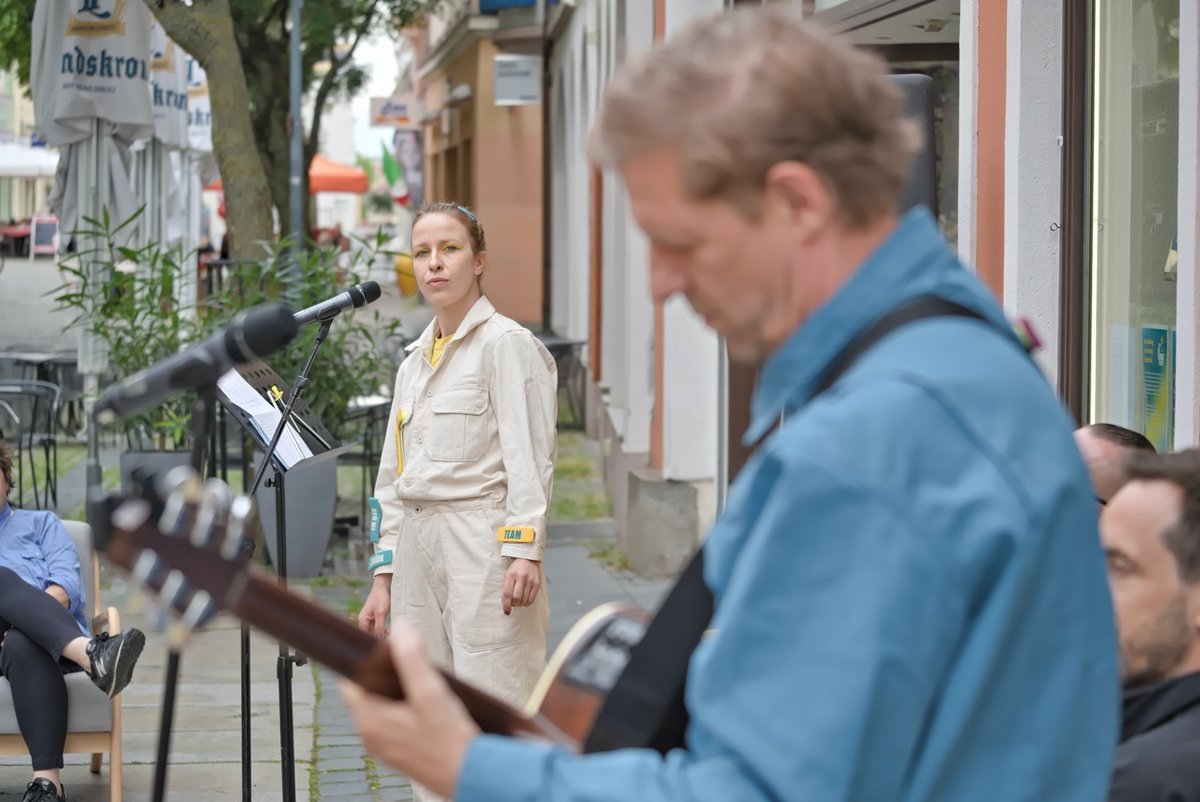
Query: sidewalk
point(330, 765)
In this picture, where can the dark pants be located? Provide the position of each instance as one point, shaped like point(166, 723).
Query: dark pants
point(36, 630)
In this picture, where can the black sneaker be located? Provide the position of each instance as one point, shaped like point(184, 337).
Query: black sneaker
point(113, 659)
point(42, 790)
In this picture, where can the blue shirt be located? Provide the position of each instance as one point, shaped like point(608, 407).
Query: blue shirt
point(36, 546)
point(910, 595)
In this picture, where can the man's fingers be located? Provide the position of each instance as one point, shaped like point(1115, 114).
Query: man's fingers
point(518, 594)
point(351, 692)
point(531, 591)
point(417, 672)
point(506, 596)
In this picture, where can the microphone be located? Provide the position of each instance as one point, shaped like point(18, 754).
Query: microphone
point(358, 295)
point(253, 334)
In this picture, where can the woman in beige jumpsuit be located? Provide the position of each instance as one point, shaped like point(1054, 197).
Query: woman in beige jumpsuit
point(465, 478)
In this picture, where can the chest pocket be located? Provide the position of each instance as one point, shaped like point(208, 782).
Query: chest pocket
point(458, 425)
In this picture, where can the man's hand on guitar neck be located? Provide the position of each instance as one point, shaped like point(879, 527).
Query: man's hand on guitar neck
point(372, 619)
point(425, 737)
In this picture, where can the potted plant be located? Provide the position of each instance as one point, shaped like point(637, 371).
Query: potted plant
point(127, 298)
point(348, 365)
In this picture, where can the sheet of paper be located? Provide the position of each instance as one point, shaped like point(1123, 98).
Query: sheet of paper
point(266, 418)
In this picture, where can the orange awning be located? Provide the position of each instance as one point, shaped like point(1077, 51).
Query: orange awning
point(328, 176)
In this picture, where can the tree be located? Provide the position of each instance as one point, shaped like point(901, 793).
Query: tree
point(331, 31)
point(242, 46)
point(206, 29)
point(16, 36)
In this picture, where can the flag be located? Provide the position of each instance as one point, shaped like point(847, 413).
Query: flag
point(393, 173)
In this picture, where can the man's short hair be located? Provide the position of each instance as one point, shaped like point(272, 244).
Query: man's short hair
point(1120, 436)
point(6, 463)
point(741, 91)
point(1181, 468)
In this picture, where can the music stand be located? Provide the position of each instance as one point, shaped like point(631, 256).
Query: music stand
point(270, 386)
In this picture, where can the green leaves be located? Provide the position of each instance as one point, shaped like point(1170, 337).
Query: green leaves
point(351, 362)
point(16, 36)
point(126, 297)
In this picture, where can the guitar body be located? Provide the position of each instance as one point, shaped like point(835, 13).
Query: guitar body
point(585, 667)
point(187, 548)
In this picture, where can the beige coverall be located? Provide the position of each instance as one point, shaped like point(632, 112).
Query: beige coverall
point(478, 457)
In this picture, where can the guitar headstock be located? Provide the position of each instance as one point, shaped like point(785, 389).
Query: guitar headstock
point(184, 539)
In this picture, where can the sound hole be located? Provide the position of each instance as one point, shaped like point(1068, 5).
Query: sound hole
point(597, 666)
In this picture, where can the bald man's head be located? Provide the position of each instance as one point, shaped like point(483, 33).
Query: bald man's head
point(1106, 450)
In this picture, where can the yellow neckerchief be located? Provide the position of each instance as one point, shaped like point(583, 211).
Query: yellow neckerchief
point(439, 347)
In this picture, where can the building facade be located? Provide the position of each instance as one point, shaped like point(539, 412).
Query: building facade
point(1067, 152)
point(20, 196)
point(481, 154)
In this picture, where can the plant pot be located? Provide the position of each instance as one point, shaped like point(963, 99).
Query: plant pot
point(310, 498)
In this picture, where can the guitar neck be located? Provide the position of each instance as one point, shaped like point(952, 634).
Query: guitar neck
point(315, 631)
point(365, 660)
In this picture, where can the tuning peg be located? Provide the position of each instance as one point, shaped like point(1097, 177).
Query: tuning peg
point(240, 510)
point(214, 509)
point(181, 487)
point(201, 608)
point(174, 589)
point(147, 568)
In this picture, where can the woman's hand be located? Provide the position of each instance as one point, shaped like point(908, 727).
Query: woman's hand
point(372, 619)
point(521, 584)
point(59, 595)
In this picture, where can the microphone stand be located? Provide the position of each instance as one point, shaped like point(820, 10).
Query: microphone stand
point(199, 426)
point(286, 659)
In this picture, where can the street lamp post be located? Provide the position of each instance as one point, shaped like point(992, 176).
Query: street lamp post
point(296, 149)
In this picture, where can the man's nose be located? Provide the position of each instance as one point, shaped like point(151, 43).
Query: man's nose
point(665, 281)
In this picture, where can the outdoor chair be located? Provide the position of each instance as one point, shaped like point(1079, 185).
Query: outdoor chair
point(93, 720)
point(34, 405)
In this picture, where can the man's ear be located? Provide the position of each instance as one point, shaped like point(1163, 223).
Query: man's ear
point(796, 192)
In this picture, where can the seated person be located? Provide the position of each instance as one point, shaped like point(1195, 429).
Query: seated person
point(46, 634)
point(1151, 535)
point(1106, 448)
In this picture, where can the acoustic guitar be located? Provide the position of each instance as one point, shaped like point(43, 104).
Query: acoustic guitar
point(184, 540)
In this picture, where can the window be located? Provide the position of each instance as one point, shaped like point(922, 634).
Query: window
point(1135, 163)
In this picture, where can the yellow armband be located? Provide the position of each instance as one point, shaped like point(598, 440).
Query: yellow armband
point(516, 534)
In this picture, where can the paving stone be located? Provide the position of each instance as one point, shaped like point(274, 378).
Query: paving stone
point(353, 790)
point(324, 740)
point(341, 763)
point(329, 752)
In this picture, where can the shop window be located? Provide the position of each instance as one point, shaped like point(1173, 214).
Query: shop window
point(1135, 164)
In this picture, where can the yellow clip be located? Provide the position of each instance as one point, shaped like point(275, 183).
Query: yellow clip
point(401, 419)
point(276, 393)
point(516, 534)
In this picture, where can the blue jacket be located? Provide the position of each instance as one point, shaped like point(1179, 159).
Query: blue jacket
point(36, 546)
point(910, 595)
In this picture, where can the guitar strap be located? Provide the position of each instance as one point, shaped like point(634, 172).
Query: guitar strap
point(645, 707)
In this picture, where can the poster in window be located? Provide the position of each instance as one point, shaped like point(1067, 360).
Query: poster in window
point(1157, 385)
